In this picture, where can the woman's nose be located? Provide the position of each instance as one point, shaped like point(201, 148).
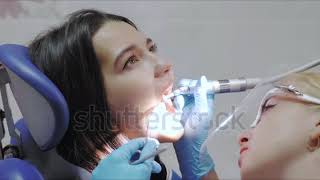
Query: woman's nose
point(162, 69)
point(244, 137)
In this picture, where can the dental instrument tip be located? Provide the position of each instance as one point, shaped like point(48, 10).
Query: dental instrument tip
point(159, 151)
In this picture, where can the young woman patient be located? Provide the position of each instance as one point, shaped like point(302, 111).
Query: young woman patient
point(112, 79)
point(285, 142)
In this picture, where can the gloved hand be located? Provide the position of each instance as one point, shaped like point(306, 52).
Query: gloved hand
point(197, 112)
point(117, 164)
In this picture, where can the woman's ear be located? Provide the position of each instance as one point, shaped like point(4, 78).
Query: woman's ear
point(314, 138)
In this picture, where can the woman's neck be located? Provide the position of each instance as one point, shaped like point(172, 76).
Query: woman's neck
point(303, 168)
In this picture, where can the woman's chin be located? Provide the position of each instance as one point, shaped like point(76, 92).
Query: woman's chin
point(164, 123)
point(168, 136)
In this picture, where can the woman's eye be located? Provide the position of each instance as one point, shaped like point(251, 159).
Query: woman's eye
point(266, 108)
point(130, 61)
point(269, 105)
point(153, 48)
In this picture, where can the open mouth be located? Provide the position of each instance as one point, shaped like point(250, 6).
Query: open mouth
point(168, 90)
point(168, 103)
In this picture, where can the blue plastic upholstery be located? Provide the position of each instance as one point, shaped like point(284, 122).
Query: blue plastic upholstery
point(17, 61)
point(17, 169)
point(49, 163)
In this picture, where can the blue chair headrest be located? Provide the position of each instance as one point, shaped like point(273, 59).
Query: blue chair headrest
point(42, 105)
point(17, 169)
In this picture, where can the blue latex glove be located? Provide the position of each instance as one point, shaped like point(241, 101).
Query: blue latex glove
point(117, 164)
point(197, 112)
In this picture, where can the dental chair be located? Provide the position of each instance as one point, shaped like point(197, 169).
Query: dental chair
point(27, 145)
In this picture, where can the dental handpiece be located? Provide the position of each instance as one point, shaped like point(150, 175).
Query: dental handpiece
point(186, 86)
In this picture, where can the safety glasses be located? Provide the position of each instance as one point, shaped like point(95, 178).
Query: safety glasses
point(284, 90)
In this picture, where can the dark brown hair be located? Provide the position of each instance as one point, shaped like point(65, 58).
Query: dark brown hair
point(66, 55)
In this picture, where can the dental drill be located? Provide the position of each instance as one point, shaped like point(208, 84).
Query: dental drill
point(186, 86)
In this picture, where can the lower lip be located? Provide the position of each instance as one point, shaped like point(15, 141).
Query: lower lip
point(243, 150)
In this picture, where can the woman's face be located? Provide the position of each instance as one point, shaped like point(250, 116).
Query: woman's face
point(135, 78)
point(279, 138)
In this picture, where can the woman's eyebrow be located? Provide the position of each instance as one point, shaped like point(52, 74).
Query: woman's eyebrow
point(122, 53)
point(129, 48)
